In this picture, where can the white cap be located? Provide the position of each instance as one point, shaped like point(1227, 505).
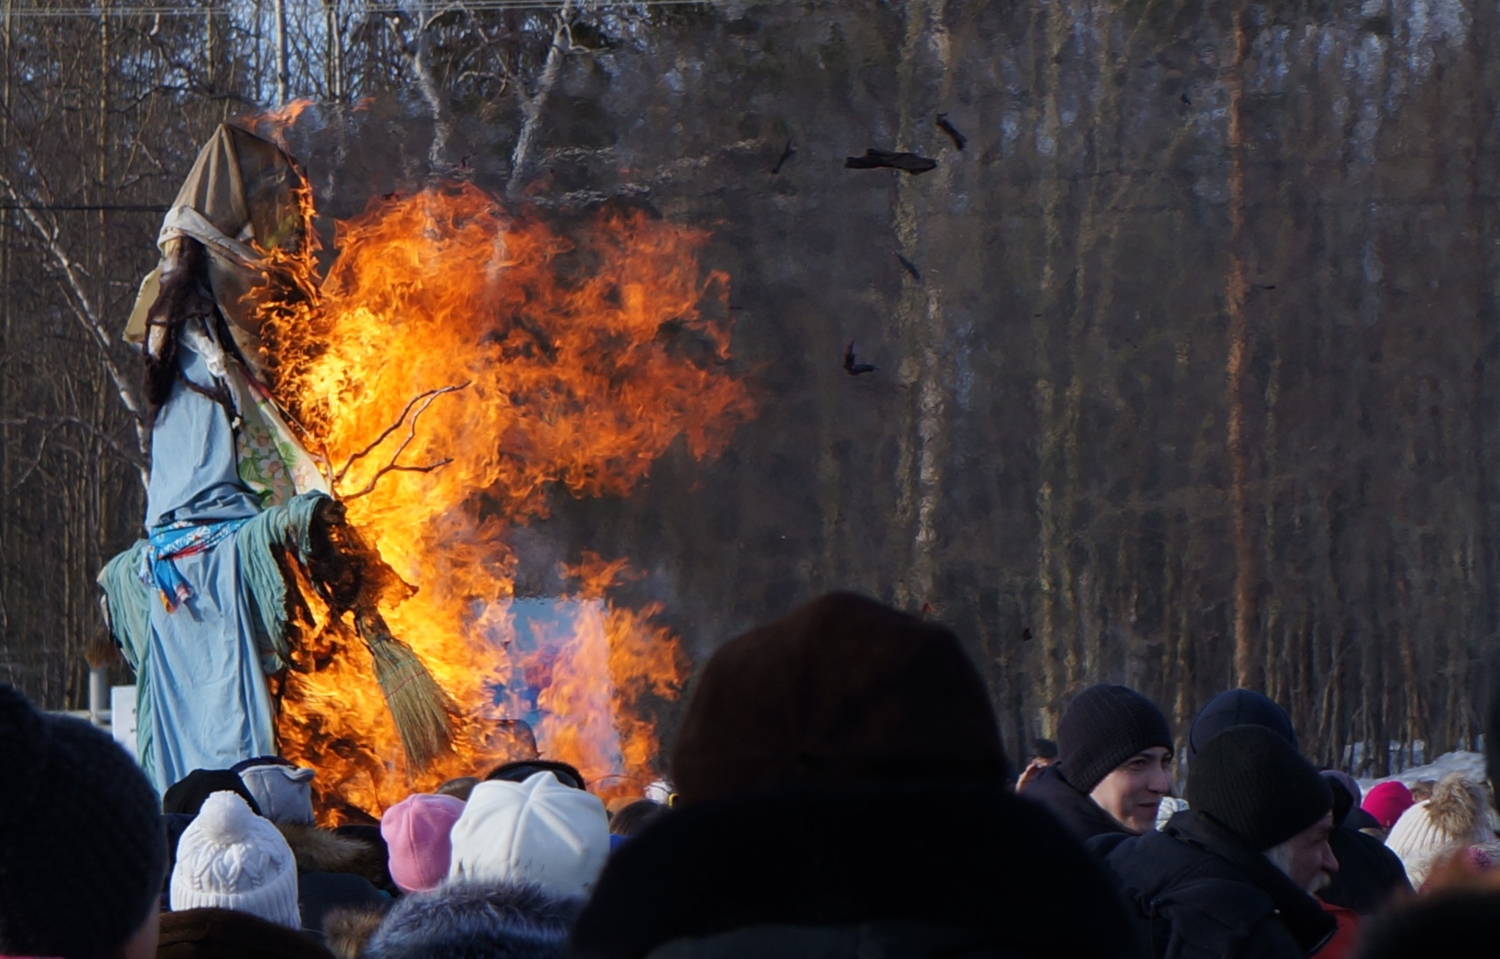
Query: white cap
point(230, 858)
point(538, 831)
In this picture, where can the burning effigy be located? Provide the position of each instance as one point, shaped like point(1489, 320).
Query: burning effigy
point(341, 454)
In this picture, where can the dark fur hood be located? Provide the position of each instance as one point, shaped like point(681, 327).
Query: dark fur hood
point(953, 856)
point(475, 922)
point(322, 850)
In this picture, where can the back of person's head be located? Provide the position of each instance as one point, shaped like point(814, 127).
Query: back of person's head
point(282, 789)
point(210, 933)
point(523, 769)
point(458, 788)
point(633, 818)
point(1238, 707)
point(1456, 817)
point(82, 846)
point(1346, 793)
point(186, 795)
point(418, 837)
point(230, 858)
point(1102, 727)
point(1387, 801)
point(538, 832)
point(842, 690)
point(1254, 783)
point(475, 921)
point(1044, 749)
point(1462, 922)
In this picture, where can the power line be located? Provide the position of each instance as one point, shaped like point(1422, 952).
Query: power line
point(125, 207)
point(180, 10)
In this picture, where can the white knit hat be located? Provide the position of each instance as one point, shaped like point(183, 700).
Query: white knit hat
point(231, 858)
point(537, 831)
point(1456, 817)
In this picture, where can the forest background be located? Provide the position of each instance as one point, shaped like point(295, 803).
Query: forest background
point(1188, 386)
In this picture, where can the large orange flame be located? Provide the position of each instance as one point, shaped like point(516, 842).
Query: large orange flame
point(534, 361)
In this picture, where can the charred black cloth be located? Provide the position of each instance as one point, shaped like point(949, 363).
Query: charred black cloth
point(226, 934)
point(1199, 892)
point(840, 690)
point(1083, 817)
point(881, 871)
point(82, 848)
point(1369, 875)
point(1255, 783)
point(1103, 726)
point(876, 159)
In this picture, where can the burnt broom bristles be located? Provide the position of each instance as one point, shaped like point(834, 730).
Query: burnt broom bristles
point(417, 703)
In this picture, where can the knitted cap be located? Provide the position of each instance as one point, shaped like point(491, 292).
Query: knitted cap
point(282, 790)
point(187, 794)
point(82, 849)
point(233, 859)
point(1103, 726)
point(1387, 801)
point(538, 831)
point(417, 833)
point(1238, 707)
point(1457, 816)
point(841, 690)
point(1252, 782)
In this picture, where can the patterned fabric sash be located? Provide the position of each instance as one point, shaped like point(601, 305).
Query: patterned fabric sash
point(179, 539)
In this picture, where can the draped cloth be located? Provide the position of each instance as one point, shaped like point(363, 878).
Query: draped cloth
point(198, 606)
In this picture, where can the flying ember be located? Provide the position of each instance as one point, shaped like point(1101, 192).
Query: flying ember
point(457, 366)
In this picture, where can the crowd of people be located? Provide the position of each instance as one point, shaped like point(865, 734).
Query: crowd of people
point(840, 790)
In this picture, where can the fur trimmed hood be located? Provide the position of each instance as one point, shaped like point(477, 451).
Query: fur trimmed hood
point(469, 921)
point(347, 931)
point(322, 850)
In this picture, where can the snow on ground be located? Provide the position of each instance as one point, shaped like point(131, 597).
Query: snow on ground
point(1470, 764)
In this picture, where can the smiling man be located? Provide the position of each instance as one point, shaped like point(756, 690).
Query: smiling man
point(1114, 764)
point(1234, 876)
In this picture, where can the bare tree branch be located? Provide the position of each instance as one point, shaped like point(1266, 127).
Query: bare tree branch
point(531, 106)
point(394, 468)
point(428, 397)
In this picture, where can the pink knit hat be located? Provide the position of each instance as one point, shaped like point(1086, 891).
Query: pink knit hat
point(416, 831)
point(1387, 801)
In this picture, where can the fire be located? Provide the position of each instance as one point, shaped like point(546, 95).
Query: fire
point(273, 124)
point(535, 361)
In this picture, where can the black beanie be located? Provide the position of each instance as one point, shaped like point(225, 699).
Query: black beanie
point(1238, 707)
point(82, 848)
point(1252, 782)
point(843, 690)
point(1102, 727)
point(187, 794)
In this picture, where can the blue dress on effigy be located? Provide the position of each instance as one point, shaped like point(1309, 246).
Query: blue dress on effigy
point(210, 706)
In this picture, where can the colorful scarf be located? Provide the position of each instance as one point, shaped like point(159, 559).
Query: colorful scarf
point(180, 539)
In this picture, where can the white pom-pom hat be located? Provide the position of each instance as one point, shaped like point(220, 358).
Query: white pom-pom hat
point(538, 831)
point(230, 858)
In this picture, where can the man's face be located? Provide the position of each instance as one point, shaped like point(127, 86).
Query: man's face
point(1310, 860)
point(1132, 791)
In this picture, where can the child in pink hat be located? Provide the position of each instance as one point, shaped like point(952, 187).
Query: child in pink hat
point(416, 831)
point(1386, 802)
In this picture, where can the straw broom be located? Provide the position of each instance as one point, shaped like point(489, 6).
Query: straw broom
point(417, 703)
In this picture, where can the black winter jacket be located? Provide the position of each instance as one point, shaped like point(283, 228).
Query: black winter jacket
point(1199, 893)
point(960, 870)
point(1076, 809)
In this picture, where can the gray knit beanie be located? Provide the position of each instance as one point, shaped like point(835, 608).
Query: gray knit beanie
point(82, 848)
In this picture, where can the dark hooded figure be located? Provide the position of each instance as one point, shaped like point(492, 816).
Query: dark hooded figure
point(1369, 873)
point(843, 791)
point(1233, 877)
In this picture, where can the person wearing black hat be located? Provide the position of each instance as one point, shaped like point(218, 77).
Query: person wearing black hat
point(1370, 874)
point(1114, 764)
point(1234, 875)
point(842, 790)
point(82, 847)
